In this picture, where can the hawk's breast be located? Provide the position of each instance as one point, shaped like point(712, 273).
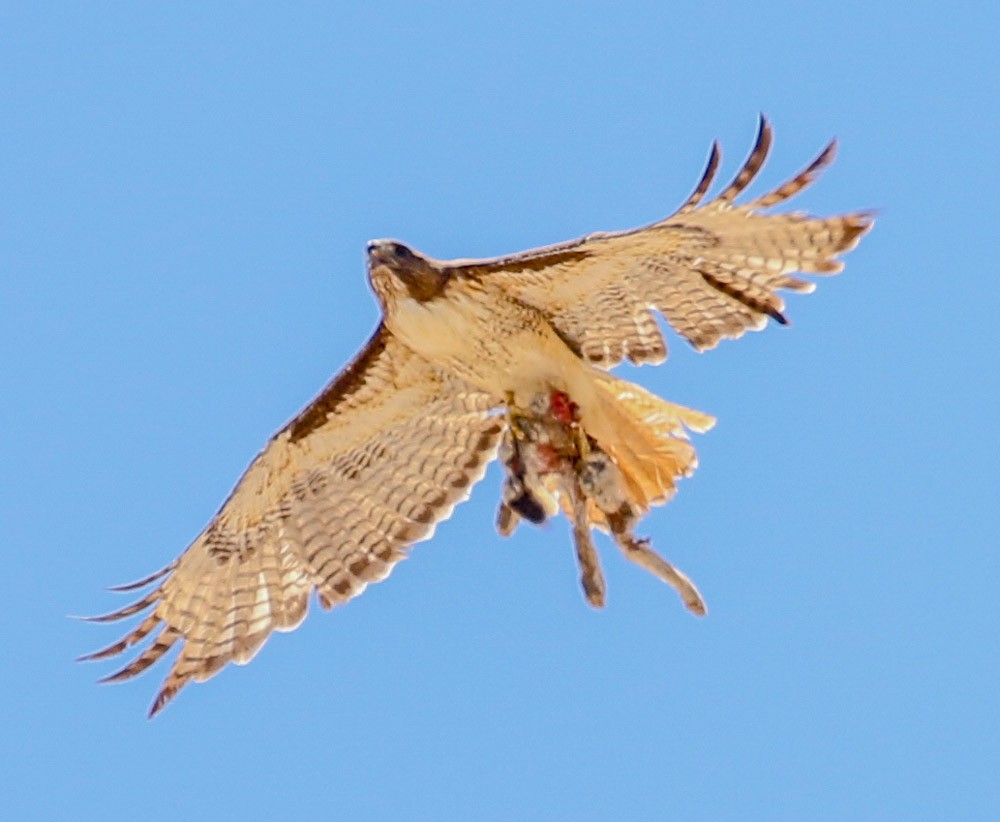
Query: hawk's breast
point(483, 336)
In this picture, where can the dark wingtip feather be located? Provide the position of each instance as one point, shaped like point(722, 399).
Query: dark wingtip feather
point(167, 692)
point(142, 583)
point(162, 698)
point(708, 175)
point(137, 635)
point(825, 157)
point(161, 644)
point(800, 181)
point(111, 650)
point(754, 162)
point(127, 611)
point(777, 316)
point(129, 671)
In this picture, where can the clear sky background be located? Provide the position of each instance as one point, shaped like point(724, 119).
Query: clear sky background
point(185, 194)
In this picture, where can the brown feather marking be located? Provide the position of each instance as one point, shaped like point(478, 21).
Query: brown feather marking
point(714, 157)
point(742, 297)
point(142, 583)
point(535, 260)
point(345, 383)
point(753, 164)
point(163, 642)
point(129, 610)
point(168, 690)
point(116, 648)
point(799, 182)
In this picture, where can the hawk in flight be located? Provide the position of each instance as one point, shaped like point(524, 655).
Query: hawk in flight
point(472, 357)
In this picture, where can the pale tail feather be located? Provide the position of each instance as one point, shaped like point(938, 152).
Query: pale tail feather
point(645, 435)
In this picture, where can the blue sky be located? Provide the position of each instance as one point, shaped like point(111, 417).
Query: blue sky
point(185, 194)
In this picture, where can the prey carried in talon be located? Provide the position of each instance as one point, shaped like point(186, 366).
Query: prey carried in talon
point(550, 462)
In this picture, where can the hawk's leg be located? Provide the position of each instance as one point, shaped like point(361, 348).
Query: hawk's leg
point(514, 416)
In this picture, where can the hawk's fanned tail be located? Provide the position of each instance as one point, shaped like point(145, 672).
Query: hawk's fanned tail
point(645, 435)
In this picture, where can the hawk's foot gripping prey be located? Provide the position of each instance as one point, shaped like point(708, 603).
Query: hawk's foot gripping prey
point(385, 452)
point(546, 467)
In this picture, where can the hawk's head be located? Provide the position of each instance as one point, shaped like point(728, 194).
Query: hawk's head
point(396, 270)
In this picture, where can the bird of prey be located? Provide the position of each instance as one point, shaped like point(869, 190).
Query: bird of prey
point(469, 354)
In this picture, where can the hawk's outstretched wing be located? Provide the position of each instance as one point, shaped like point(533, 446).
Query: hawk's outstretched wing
point(367, 469)
point(713, 270)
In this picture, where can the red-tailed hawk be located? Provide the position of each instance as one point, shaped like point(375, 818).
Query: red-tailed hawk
point(469, 353)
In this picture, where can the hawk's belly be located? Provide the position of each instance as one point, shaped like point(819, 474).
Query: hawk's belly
point(491, 341)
